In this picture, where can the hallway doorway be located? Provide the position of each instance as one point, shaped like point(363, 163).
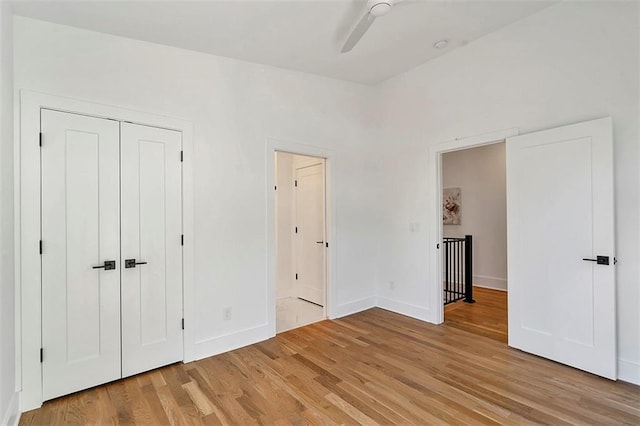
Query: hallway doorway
point(474, 225)
point(301, 243)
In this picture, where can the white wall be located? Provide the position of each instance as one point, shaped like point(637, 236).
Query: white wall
point(284, 225)
point(8, 396)
point(235, 106)
point(571, 62)
point(481, 175)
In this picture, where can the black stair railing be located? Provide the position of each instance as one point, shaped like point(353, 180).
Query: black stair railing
point(458, 269)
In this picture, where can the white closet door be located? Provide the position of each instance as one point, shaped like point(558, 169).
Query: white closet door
point(80, 230)
point(310, 241)
point(151, 236)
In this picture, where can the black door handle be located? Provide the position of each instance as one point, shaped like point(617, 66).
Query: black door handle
point(108, 265)
point(131, 263)
point(600, 260)
point(319, 242)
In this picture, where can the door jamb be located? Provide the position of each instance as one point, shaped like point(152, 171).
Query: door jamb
point(276, 145)
point(435, 209)
point(27, 228)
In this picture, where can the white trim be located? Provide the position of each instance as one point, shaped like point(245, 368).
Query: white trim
point(403, 308)
point(491, 288)
point(228, 342)
point(490, 282)
point(354, 307)
point(27, 229)
point(271, 146)
point(629, 371)
point(434, 202)
point(11, 417)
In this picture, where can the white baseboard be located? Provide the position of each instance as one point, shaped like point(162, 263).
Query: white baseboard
point(490, 282)
point(629, 371)
point(353, 307)
point(491, 288)
point(402, 308)
point(229, 342)
point(12, 416)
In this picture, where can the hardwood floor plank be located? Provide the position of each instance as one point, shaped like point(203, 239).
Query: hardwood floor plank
point(350, 410)
point(374, 367)
point(155, 406)
point(204, 405)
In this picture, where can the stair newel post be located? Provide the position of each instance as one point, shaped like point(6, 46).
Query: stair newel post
point(468, 269)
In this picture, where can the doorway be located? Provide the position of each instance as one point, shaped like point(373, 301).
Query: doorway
point(110, 250)
point(553, 256)
point(474, 229)
point(301, 240)
point(28, 225)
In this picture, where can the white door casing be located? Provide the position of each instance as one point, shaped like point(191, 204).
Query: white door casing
point(28, 223)
point(80, 230)
point(151, 234)
point(560, 210)
point(310, 236)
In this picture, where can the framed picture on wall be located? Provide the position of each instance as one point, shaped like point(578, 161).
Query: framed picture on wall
point(451, 206)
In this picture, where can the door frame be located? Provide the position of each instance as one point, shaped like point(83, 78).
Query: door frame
point(434, 210)
point(27, 227)
point(271, 147)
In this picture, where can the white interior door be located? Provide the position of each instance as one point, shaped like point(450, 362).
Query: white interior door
point(560, 212)
point(151, 248)
point(80, 231)
point(310, 237)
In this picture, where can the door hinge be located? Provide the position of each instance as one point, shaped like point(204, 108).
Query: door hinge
point(181, 156)
point(275, 188)
point(326, 245)
point(41, 354)
point(295, 182)
point(296, 275)
point(40, 139)
point(183, 323)
point(40, 246)
point(296, 229)
point(182, 239)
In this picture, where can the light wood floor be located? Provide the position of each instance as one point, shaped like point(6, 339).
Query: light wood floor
point(487, 317)
point(374, 367)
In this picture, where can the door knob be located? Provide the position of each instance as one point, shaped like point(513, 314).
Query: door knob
point(131, 263)
point(108, 265)
point(600, 260)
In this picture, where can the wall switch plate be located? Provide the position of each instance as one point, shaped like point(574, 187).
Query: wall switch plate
point(226, 314)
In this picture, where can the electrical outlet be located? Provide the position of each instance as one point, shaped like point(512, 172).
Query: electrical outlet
point(226, 314)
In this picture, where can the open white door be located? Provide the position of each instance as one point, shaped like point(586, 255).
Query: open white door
point(560, 215)
point(151, 248)
point(310, 234)
point(80, 252)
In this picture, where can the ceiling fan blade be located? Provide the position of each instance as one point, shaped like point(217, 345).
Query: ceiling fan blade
point(358, 32)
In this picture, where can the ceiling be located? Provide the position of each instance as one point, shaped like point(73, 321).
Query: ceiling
point(303, 35)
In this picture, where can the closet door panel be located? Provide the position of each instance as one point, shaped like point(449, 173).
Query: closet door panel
point(80, 230)
point(151, 248)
